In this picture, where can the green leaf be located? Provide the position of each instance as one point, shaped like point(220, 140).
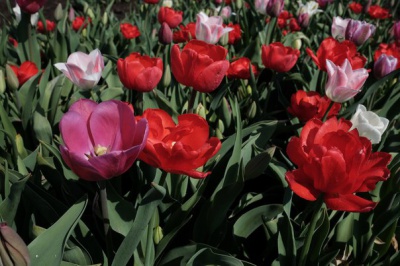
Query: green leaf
point(9, 206)
point(121, 212)
point(286, 242)
point(258, 164)
point(144, 213)
point(206, 256)
point(48, 247)
point(251, 220)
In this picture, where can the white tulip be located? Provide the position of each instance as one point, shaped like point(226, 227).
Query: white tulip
point(369, 124)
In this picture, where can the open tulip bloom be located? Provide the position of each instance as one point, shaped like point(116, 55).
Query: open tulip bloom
point(103, 140)
point(343, 82)
point(210, 29)
point(84, 70)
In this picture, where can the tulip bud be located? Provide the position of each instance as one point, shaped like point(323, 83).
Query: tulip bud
point(13, 250)
point(384, 65)
point(239, 4)
point(71, 15)
point(104, 19)
point(296, 44)
point(84, 32)
point(157, 234)
point(165, 34)
point(226, 112)
point(218, 134)
point(167, 3)
point(2, 82)
point(275, 7)
point(201, 111)
point(12, 80)
point(166, 79)
point(252, 111)
point(20, 146)
point(58, 13)
point(220, 126)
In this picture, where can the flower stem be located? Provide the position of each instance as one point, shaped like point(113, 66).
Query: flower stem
point(106, 219)
point(148, 259)
point(191, 101)
point(327, 111)
point(311, 229)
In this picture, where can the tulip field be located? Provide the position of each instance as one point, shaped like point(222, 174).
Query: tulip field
point(199, 132)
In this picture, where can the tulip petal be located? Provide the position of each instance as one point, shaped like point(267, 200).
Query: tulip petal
point(80, 165)
point(75, 133)
point(348, 202)
point(301, 184)
point(148, 79)
point(105, 123)
point(211, 77)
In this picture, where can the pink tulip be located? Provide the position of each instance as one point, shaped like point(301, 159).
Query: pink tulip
point(261, 6)
point(210, 29)
point(339, 26)
point(384, 65)
point(84, 70)
point(102, 140)
point(359, 31)
point(344, 82)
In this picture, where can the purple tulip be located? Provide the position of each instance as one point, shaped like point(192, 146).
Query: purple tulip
point(344, 82)
point(384, 65)
point(102, 140)
point(275, 7)
point(395, 31)
point(84, 70)
point(359, 31)
point(210, 29)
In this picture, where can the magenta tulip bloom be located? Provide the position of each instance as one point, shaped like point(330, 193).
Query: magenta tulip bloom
point(210, 29)
point(30, 6)
point(102, 140)
point(384, 65)
point(84, 70)
point(344, 82)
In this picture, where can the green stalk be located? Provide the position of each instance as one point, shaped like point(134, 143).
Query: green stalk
point(106, 220)
point(311, 229)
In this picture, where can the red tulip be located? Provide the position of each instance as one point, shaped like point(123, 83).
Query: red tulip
point(129, 31)
point(80, 22)
point(152, 2)
point(27, 70)
point(199, 65)
point(337, 52)
point(240, 69)
point(356, 7)
point(172, 17)
point(102, 140)
point(278, 57)
point(178, 148)
point(234, 35)
point(140, 73)
point(307, 105)
point(50, 26)
point(30, 6)
point(378, 12)
point(185, 33)
point(336, 163)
